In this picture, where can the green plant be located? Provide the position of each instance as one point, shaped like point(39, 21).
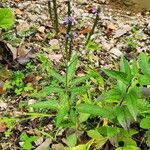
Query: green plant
point(124, 104)
point(16, 83)
point(6, 18)
point(27, 141)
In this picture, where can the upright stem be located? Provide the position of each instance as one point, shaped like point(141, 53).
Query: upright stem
point(50, 10)
point(94, 26)
point(56, 16)
point(68, 51)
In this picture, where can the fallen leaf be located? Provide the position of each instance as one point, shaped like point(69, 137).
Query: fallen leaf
point(89, 8)
point(38, 78)
point(2, 127)
point(84, 30)
point(55, 57)
point(18, 11)
point(29, 79)
point(121, 31)
point(22, 51)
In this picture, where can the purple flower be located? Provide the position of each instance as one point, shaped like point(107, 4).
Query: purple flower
point(69, 20)
point(95, 11)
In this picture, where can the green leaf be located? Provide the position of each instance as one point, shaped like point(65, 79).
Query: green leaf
point(58, 76)
point(100, 142)
point(144, 63)
point(50, 104)
point(94, 110)
point(117, 75)
point(71, 140)
point(62, 112)
point(94, 134)
point(72, 68)
point(145, 123)
point(6, 18)
point(80, 147)
point(144, 79)
point(96, 76)
point(131, 100)
point(79, 80)
point(124, 67)
point(130, 147)
point(123, 117)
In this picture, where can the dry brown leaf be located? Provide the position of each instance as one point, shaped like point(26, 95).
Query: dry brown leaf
point(38, 78)
point(55, 57)
point(2, 127)
point(85, 30)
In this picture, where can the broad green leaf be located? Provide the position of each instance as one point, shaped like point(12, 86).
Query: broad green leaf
point(94, 110)
point(94, 134)
point(108, 131)
point(124, 67)
point(50, 104)
point(123, 117)
point(145, 123)
point(71, 140)
point(72, 68)
point(144, 79)
point(117, 75)
point(144, 62)
point(80, 147)
point(130, 147)
point(6, 18)
point(131, 100)
point(83, 117)
point(100, 142)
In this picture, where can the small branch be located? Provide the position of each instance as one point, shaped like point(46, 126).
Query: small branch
point(56, 17)
point(50, 11)
point(94, 26)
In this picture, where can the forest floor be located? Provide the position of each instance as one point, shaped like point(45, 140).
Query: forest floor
point(118, 32)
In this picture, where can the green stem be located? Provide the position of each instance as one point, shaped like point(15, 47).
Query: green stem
point(56, 17)
point(94, 26)
point(68, 51)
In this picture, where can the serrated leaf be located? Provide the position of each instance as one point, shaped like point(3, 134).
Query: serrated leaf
point(144, 63)
point(117, 75)
point(145, 123)
point(123, 117)
point(58, 76)
point(132, 104)
point(144, 79)
point(6, 18)
point(79, 80)
point(62, 112)
point(94, 110)
point(72, 68)
point(96, 76)
point(50, 104)
point(124, 67)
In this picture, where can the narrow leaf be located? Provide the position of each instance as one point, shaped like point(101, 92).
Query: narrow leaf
point(50, 104)
point(124, 67)
point(72, 68)
point(117, 75)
